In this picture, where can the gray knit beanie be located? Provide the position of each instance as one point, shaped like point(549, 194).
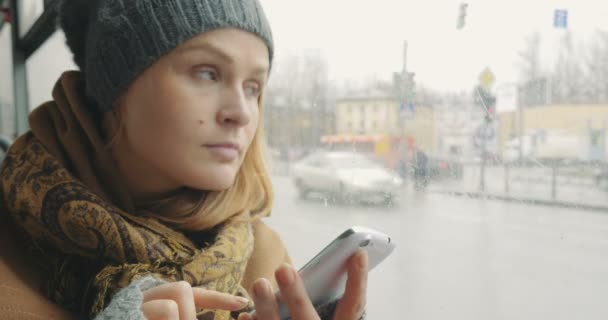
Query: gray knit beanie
point(127, 36)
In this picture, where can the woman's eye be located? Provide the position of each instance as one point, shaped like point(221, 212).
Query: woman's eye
point(252, 90)
point(205, 74)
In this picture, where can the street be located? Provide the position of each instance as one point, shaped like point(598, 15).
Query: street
point(460, 258)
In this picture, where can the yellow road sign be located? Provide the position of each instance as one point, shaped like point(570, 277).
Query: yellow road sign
point(486, 78)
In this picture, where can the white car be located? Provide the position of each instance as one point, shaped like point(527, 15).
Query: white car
point(345, 174)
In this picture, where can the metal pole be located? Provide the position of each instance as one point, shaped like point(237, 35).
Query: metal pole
point(485, 136)
point(404, 70)
point(482, 176)
point(20, 87)
point(554, 183)
point(507, 187)
point(520, 125)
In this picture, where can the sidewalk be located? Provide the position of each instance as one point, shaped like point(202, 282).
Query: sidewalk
point(527, 185)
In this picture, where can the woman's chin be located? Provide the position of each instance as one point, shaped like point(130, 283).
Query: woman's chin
point(219, 187)
point(217, 180)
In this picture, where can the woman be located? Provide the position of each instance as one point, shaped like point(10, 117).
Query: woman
point(141, 186)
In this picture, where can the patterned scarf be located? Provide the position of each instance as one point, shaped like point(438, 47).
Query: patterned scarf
point(89, 246)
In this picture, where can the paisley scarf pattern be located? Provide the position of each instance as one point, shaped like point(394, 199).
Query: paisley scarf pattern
point(90, 246)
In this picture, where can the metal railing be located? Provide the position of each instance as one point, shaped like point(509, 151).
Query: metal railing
point(581, 184)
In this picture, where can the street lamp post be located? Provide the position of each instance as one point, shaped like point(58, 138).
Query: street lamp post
point(520, 126)
point(487, 101)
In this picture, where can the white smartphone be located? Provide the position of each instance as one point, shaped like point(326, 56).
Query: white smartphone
point(324, 276)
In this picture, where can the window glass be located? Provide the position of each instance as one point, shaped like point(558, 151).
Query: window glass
point(484, 157)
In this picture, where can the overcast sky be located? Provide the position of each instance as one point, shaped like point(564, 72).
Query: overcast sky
point(363, 38)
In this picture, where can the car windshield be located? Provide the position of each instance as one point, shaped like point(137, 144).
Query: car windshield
point(490, 116)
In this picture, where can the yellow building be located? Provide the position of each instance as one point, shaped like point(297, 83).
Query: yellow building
point(576, 121)
point(422, 127)
point(367, 116)
point(380, 116)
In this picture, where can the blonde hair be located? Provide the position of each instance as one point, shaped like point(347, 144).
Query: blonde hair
point(249, 198)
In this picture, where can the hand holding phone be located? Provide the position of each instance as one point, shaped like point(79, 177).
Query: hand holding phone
point(324, 276)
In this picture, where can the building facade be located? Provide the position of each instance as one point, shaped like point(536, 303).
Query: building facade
point(576, 132)
point(384, 116)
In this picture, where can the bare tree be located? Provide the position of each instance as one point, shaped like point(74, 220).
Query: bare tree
point(316, 88)
point(534, 89)
point(298, 109)
point(596, 69)
point(579, 75)
point(567, 80)
point(530, 66)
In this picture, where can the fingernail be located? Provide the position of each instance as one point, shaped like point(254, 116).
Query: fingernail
point(242, 301)
point(285, 275)
point(261, 288)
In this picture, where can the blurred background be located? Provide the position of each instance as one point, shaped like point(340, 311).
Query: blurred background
point(472, 132)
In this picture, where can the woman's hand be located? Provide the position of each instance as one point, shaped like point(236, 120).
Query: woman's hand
point(350, 307)
point(179, 301)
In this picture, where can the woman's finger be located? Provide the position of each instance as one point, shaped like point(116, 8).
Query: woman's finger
point(352, 304)
point(266, 306)
point(180, 292)
point(209, 299)
point(160, 310)
point(293, 294)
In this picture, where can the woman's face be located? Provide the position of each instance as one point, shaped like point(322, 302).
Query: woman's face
point(190, 118)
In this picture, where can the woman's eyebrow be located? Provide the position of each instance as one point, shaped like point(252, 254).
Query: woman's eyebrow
point(258, 69)
point(207, 47)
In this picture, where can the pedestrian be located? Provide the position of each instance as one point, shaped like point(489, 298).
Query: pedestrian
point(140, 188)
point(421, 174)
point(402, 167)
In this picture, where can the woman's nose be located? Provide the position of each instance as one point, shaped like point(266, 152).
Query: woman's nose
point(235, 110)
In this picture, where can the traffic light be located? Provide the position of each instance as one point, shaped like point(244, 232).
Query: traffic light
point(462, 14)
point(405, 85)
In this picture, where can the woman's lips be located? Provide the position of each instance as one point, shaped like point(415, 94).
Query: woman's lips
point(224, 152)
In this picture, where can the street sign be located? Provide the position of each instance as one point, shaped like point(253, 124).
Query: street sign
point(484, 134)
point(487, 78)
point(506, 98)
point(406, 109)
point(560, 19)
